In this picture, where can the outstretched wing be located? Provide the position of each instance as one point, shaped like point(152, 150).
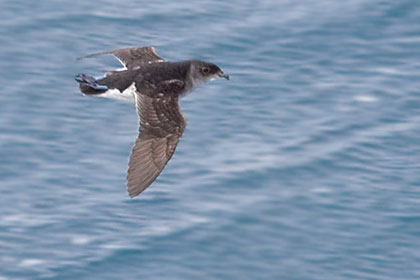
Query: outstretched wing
point(132, 57)
point(161, 127)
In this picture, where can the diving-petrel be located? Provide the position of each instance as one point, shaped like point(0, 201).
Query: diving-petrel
point(154, 86)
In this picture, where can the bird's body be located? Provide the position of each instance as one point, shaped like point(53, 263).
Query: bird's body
point(155, 87)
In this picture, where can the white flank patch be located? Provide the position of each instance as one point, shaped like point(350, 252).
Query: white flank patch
point(127, 95)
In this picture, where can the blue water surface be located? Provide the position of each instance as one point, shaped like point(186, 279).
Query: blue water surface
point(305, 165)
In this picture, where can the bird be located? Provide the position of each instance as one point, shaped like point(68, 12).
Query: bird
point(155, 87)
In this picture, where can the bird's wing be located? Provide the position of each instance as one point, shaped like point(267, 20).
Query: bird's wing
point(132, 57)
point(161, 126)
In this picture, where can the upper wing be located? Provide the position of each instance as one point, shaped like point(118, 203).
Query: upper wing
point(161, 126)
point(132, 57)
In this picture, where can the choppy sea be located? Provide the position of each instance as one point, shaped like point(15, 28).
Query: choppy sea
point(305, 165)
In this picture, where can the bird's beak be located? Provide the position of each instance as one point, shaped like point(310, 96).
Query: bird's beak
point(223, 75)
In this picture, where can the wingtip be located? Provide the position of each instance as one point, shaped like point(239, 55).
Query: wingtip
point(83, 57)
point(132, 192)
point(92, 55)
point(132, 195)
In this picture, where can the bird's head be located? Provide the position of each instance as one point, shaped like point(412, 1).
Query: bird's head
point(202, 72)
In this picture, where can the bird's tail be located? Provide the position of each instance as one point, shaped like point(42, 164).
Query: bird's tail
point(90, 85)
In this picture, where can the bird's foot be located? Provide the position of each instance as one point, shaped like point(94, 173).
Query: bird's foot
point(89, 81)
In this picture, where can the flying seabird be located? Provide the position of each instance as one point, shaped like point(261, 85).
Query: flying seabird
point(154, 86)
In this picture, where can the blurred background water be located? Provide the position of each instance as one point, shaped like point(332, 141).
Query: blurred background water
point(305, 165)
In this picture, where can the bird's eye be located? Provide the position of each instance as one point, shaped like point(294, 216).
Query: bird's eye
point(206, 70)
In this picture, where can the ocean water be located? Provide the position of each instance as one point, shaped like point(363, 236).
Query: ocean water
point(305, 165)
